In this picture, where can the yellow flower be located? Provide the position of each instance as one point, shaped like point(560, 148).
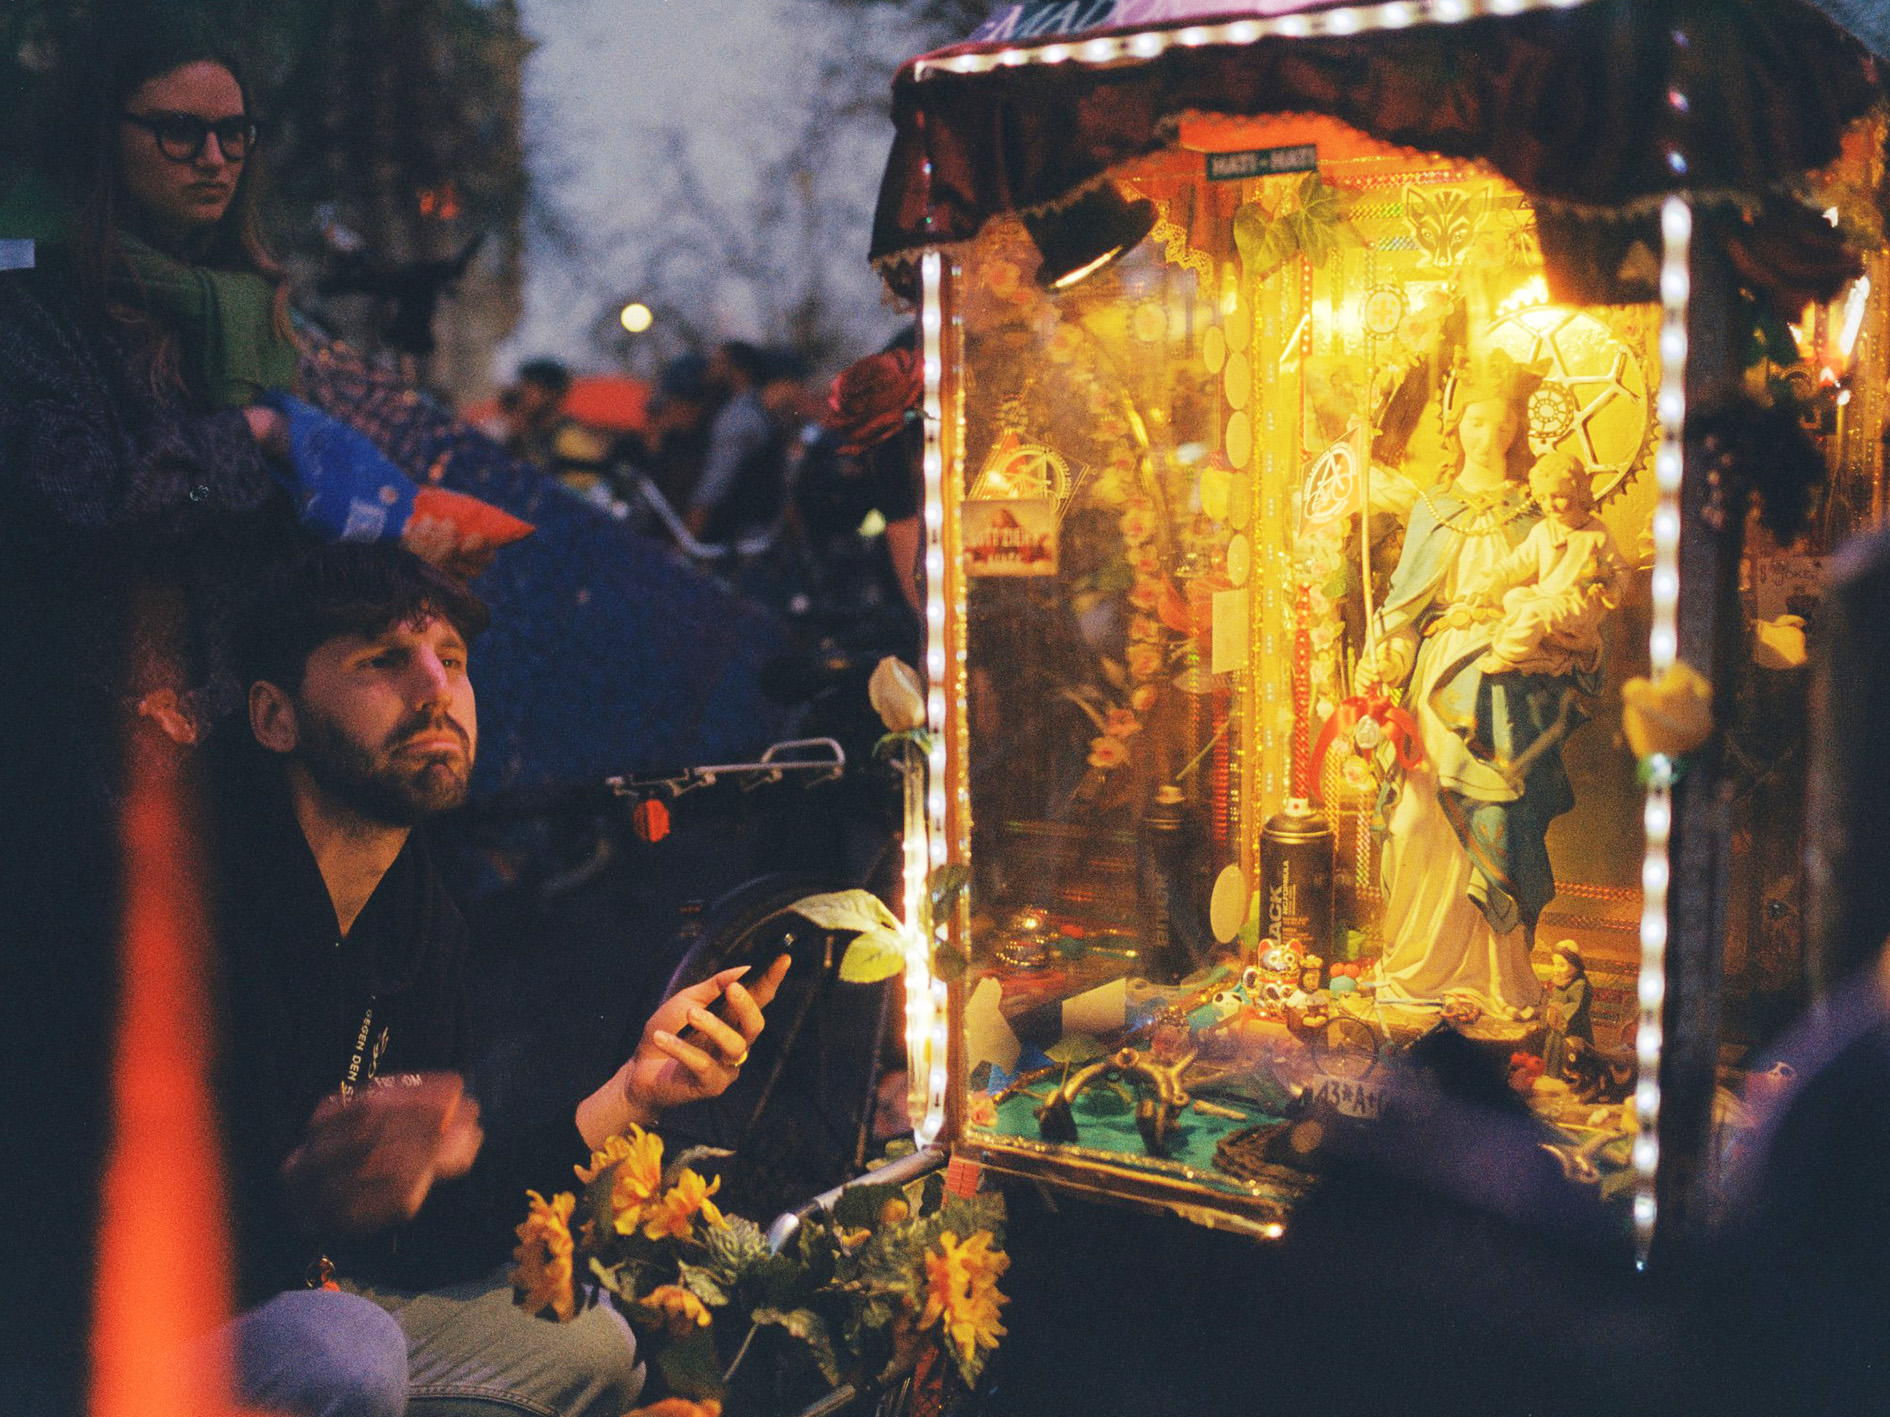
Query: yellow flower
point(1107, 753)
point(1672, 715)
point(675, 1309)
point(542, 1275)
point(961, 1289)
point(678, 1407)
point(673, 1213)
point(638, 1162)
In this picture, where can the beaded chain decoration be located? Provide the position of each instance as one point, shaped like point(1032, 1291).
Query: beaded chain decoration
point(1476, 520)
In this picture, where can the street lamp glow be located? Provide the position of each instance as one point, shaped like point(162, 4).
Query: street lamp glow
point(636, 317)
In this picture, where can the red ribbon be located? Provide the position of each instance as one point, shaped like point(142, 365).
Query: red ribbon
point(1399, 728)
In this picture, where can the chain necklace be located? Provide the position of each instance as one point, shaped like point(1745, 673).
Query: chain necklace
point(1482, 515)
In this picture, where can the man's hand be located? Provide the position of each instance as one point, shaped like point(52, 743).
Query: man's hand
point(668, 1069)
point(369, 1162)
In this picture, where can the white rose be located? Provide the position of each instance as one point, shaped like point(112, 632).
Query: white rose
point(897, 695)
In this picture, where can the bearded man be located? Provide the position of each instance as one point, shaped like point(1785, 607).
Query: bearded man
point(372, 1218)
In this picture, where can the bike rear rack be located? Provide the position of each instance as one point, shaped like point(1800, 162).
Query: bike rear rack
point(823, 760)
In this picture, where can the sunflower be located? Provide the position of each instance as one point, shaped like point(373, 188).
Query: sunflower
point(961, 1288)
point(673, 1213)
point(542, 1275)
point(637, 1160)
point(675, 1309)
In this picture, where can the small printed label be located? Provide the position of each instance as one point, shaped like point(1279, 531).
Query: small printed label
point(16, 255)
point(1261, 162)
point(1232, 627)
point(1351, 1098)
point(365, 521)
point(1011, 538)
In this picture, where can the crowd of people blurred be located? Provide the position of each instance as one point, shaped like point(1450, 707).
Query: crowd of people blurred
point(730, 452)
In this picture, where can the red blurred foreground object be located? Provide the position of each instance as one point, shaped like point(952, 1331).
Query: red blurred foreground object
point(613, 401)
point(471, 516)
point(163, 1266)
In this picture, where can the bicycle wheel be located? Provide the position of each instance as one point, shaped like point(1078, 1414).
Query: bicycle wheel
point(800, 1111)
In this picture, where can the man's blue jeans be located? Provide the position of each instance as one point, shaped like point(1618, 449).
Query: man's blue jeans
point(465, 1351)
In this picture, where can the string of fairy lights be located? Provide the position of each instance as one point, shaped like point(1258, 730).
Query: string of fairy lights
point(1151, 44)
point(925, 848)
point(1663, 647)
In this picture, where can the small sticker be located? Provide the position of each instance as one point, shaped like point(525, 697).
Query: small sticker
point(1227, 907)
point(365, 521)
point(1351, 1098)
point(1012, 538)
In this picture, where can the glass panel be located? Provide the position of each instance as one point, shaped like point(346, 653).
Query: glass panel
point(1305, 552)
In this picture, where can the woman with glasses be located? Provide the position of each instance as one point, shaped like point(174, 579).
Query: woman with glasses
point(135, 510)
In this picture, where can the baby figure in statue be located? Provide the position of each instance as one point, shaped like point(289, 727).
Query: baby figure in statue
point(1465, 867)
point(1559, 583)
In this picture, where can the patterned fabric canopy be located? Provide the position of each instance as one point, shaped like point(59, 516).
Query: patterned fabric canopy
point(1576, 106)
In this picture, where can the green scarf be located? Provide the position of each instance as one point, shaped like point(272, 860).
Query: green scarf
point(233, 351)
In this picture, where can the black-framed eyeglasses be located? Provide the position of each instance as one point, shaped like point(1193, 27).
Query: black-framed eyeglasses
point(181, 136)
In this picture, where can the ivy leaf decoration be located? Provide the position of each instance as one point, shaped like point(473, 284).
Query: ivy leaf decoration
point(1315, 229)
point(943, 887)
point(810, 1328)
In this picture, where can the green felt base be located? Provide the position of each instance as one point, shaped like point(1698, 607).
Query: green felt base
point(1105, 1121)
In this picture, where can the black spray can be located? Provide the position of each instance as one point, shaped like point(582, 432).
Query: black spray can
point(1296, 851)
point(1161, 850)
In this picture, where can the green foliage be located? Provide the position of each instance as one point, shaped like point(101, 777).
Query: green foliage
point(691, 1367)
point(810, 1329)
point(1315, 228)
point(878, 951)
point(700, 1282)
point(943, 887)
point(844, 1297)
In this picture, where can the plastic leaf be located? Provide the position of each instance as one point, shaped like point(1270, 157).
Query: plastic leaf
point(809, 1328)
point(873, 956)
point(735, 1249)
point(846, 910)
point(701, 1283)
point(944, 886)
point(690, 1366)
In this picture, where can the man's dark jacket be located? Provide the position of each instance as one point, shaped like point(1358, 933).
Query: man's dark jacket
point(300, 1002)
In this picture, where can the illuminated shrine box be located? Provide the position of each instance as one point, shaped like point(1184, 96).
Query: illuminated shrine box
point(1290, 567)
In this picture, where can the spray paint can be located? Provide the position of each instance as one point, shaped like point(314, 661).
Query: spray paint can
point(1160, 850)
point(1296, 853)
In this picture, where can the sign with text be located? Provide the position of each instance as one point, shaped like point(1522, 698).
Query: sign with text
point(1046, 19)
point(1261, 162)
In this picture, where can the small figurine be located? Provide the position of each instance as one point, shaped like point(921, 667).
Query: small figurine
point(1558, 584)
point(1567, 1012)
